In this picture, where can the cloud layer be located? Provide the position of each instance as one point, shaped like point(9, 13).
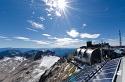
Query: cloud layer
point(46, 35)
point(73, 33)
point(86, 35)
point(32, 29)
point(27, 39)
point(84, 25)
point(3, 37)
point(66, 42)
point(36, 25)
point(41, 18)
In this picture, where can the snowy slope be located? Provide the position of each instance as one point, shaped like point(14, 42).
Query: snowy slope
point(45, 63)
point(48, 61)
point(7, 65)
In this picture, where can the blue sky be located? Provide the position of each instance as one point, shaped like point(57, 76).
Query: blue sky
point(60, 23)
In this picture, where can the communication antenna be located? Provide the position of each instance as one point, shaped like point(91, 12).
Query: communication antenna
point(120, 40)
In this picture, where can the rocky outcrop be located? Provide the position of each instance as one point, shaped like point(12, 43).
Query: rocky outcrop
point(40, 54)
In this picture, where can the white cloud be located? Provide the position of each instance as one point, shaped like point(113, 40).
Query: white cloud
point(84, 25)
point(36, 25)
point(49, 9)
point(52, 38)
point(42, 18)
point(22, 38)
point(8, 39)
point(113, 42)
point(86, 35)
point(48, 14)
point(58, 14)
point(48, 2)
point(53, 7)
point(46, 35)
point(51, 18)
point(40, 42)
point(66, 42)
point(31, 29)
point(73, 33)
point(27, 39)
point(33, 12)
point(3, 37)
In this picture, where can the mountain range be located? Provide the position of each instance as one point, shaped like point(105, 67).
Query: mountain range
point(27, 52)
point(30, 65)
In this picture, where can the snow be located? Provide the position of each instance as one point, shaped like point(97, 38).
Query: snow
point(15, 58)
point(6, 58)
point(48, 61)
point(45, 63)
point(9, 64)
point(19, 58)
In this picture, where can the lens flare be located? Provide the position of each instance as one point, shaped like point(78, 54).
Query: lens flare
point(61, 4)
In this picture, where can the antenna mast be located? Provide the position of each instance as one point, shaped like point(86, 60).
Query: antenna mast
point(120, 40)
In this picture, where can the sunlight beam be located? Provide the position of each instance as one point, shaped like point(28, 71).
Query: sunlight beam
point(61, 4)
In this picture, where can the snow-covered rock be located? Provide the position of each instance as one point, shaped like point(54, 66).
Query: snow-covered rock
point(19, 69)
point(45, 63)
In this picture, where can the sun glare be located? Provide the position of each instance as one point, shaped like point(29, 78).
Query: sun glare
point(61, 4)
